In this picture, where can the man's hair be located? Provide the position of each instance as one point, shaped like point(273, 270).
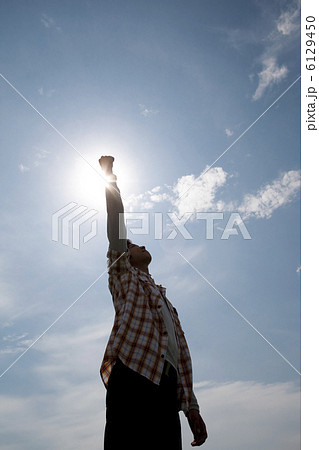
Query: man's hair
point(128, 242)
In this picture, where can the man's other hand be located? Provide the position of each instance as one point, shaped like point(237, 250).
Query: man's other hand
point(106, 163)
point(197, 426)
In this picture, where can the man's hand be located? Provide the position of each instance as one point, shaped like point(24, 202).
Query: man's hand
point(106, 163)
point(197, 426)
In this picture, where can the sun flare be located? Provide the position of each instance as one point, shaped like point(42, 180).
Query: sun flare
point(87, 181)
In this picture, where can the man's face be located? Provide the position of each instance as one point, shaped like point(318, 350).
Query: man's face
point(138, 254)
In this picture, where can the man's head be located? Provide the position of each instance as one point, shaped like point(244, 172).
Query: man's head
point(139, 257)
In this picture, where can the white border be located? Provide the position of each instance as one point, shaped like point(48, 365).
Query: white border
point(309, 247)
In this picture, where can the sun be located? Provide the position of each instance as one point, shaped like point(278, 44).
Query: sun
point(86, 181)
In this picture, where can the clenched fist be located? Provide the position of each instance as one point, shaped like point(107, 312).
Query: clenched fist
point(106, 163)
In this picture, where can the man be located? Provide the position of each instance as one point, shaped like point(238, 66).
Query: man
point(146, 366)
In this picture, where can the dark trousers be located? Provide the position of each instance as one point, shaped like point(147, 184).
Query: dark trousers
point(140, 414)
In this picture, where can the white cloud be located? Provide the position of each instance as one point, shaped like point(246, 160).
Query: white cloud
point(288, 21)
point(198, 194)
point(23, 168)
point(9, 292)
point(48, 93)
point(245, 415)
point(239, 415)
point(69, 418)
point(148, 199)
point(38, 157)
point(15, 343)
point(277, 42)
point(270, 75)
point(49, 22)
point(269, 198)
point(134, 203)
point(84, 343)
point(229, 132)
point(14, 337)
point(147, 205)
point(157, 198)
point(147, 112)
point(155, 189)
point(69, 412)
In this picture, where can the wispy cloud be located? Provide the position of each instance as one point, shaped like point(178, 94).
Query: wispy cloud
point(38, 157)
point(261, 416)
point(205, 195)
point(271, 197)
point(201, 196)
point(270, 75)
point(147, 112)
point(276, 42)
point(148, 199)
point(47, 93)
point(86, 340)
point(49, 22)
point(23, 168)
point(288, 21)
point(282, 34)
point(75, 418)
point(15, 343)
point(14, 337)
point(229, 132)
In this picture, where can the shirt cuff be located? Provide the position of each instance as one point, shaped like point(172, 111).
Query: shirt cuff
point(193, 404)
point(117, 262)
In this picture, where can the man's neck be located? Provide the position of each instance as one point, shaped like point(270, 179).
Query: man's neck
point(143, 268)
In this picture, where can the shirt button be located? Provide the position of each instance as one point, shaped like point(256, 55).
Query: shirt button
point(165, 333)
point(162, 355)
point(159, 306)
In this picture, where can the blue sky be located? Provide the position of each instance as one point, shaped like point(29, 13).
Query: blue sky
point(165, 87)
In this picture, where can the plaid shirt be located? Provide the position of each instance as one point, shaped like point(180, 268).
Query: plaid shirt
point(139, 337)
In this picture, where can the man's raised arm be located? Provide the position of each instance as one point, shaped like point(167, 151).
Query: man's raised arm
point(116, 231)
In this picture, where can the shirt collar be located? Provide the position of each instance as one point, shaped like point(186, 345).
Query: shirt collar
point(148, 277)
point(141, 273)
